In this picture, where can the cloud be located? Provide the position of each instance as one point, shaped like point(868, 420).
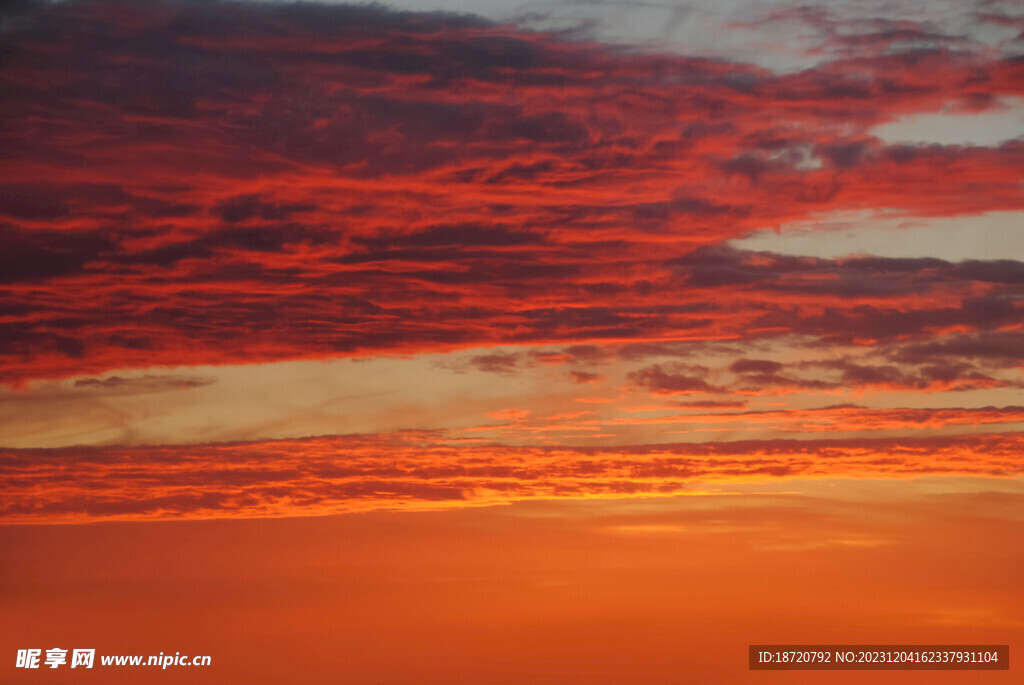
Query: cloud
point(508, 414)
point(662, 382)
point(835, 419)
point(585, 377)
point(914, 373)
point(495, 363)
point(1004, 347)
point(244, 207)
point(709, 404)
point(248, 182)
point(317, 476)
point(140, 384)
point(757, 366)
point(38, 255)
point(937, 376)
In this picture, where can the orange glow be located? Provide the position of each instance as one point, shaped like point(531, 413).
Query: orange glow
point(649, 592)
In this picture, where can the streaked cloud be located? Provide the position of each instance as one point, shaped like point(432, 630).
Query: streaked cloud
point(317, 476)
point(243, 183)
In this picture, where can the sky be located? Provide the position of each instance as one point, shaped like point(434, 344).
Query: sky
point(521, 341)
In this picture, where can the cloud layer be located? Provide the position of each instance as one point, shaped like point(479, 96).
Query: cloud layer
point(237, 183)
point(423, 470)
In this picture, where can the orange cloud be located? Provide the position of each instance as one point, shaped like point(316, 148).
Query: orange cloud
point(508, 414)
point(318, 476)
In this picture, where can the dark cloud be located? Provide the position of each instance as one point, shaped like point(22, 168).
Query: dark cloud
point(709, 404)
point(996, 346)
point(52, 202)
point(496, 363)
point(585, 377)
point(938, 375)
point(141, 384)
point(243, 207)
point(587, 354)
point(755, 366)
point(258, 238)
point(24, 201)
point(867, 322)
point(662, 382)
point(761, 376)
point(460, 235)
point(31, 255)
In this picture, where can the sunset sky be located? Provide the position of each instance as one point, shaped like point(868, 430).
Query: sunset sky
point(550, 342)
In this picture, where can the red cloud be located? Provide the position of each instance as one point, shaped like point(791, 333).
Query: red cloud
point(245, 182)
